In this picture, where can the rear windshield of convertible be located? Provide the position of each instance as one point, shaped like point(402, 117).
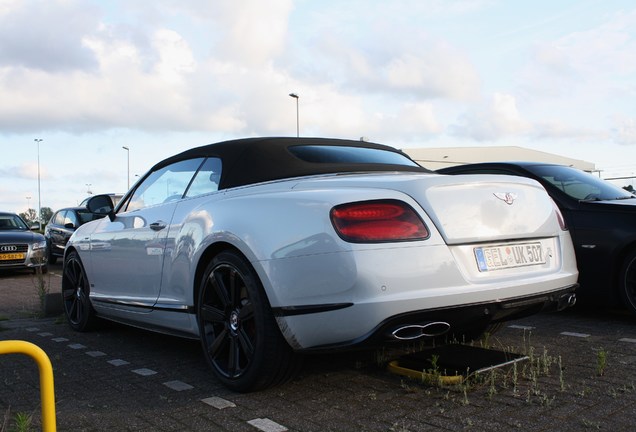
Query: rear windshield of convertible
point(349, 155)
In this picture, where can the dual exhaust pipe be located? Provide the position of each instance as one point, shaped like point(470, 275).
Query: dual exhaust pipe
point(437, 328)
point(416, 331)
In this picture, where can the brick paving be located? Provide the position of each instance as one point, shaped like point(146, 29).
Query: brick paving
point(123, 379)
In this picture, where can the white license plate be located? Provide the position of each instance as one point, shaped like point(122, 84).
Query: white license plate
point(508, 256)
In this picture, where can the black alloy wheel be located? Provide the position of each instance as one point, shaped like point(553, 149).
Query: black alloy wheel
point(75, 295)
point(240, 338)
point(627, 283)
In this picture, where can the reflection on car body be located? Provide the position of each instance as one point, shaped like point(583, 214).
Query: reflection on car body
point(267, 248)
point(62, 225)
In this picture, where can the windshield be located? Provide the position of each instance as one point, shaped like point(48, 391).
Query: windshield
point(12, 222)
point(579, 184)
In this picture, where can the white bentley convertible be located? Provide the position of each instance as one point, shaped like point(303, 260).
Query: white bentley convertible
point(266, 248)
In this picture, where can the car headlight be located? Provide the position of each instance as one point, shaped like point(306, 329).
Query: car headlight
point(39, 245)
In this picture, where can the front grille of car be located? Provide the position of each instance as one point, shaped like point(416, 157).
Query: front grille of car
point(13, 249)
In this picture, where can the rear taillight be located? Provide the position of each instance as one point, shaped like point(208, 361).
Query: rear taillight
point(559, 215)
point(377, 221)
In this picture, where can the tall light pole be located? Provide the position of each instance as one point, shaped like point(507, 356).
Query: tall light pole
point(127, 166)
point(295, 96)
point(38, 141)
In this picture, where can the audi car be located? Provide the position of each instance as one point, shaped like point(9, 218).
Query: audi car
point(20, 248)
point(266, 249)
point(600, 216)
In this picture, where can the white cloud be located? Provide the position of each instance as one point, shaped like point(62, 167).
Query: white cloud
point(492, 120)
point(625, 132)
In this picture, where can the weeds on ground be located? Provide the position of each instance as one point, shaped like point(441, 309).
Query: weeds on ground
point(601, 361)
point(540, 379)
point(42, 285)
point(19, 422)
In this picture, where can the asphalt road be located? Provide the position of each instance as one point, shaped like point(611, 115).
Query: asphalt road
point(581, 376)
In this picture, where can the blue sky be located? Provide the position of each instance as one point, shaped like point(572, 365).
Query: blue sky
point(89, 77)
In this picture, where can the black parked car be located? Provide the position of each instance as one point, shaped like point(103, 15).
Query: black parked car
point(602, 221)
point(62, 224)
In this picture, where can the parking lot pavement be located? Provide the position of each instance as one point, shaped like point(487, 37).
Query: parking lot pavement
point(581, 376)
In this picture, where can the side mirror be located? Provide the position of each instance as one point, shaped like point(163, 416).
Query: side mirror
point(101, 205)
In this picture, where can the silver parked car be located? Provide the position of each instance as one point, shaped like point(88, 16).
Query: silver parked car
point(20, 248)
point(266, 248)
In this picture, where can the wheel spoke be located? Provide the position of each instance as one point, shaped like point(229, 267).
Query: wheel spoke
point(68, 293)
point(219, 342)
point(211, 314)
point(235, 288)
point(234, 358)
point(247, 312)
point(246, 343)
point(217, 282)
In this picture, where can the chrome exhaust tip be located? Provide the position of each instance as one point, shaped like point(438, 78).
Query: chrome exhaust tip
point(416, 331)
point(566, 301)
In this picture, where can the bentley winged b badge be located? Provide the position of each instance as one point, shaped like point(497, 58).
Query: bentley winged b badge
point(507, 197)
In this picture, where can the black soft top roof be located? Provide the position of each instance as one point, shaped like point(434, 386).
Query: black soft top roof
point(253, 160)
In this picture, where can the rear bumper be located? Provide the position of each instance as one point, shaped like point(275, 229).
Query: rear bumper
point(458, 322)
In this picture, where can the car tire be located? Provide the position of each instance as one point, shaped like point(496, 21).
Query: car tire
point(78, 309)
point(239, 335)
point(627, 282)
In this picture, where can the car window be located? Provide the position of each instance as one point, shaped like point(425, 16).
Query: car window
point(164, 185)
point(85, 216)
point(206, 179)
point(349, 155)
point(579, 184)
point(59, 217)
point(71, 218)
point(11, 222)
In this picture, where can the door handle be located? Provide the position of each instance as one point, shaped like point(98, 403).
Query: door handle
point(158, 226)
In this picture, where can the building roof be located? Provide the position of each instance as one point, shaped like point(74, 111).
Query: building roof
point(442, 157)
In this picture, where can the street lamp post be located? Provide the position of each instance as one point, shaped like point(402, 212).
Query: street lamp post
point(38, 141)
point(127, 166)
point(295, 96)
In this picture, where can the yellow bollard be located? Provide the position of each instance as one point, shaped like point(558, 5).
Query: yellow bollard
point(47, 392)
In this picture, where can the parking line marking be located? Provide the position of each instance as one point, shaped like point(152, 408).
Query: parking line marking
point(267, 425)
point(573, 334)
point(45, 334)
point(76, 346)
point(59, 339)
point(118, 362)
point(627, 340)
point(32, 329)
point(177, 385)
point(95, 353)
point(218, 403)
point(521, 327)
point(144, 372)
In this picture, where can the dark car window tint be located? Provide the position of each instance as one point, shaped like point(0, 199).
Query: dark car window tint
point(579, 184)
point(11, 222)
point(86, 216)
point(59, 218)
point(71, 218)
point(349, 155)
point(207, 179)
point(164, 185)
